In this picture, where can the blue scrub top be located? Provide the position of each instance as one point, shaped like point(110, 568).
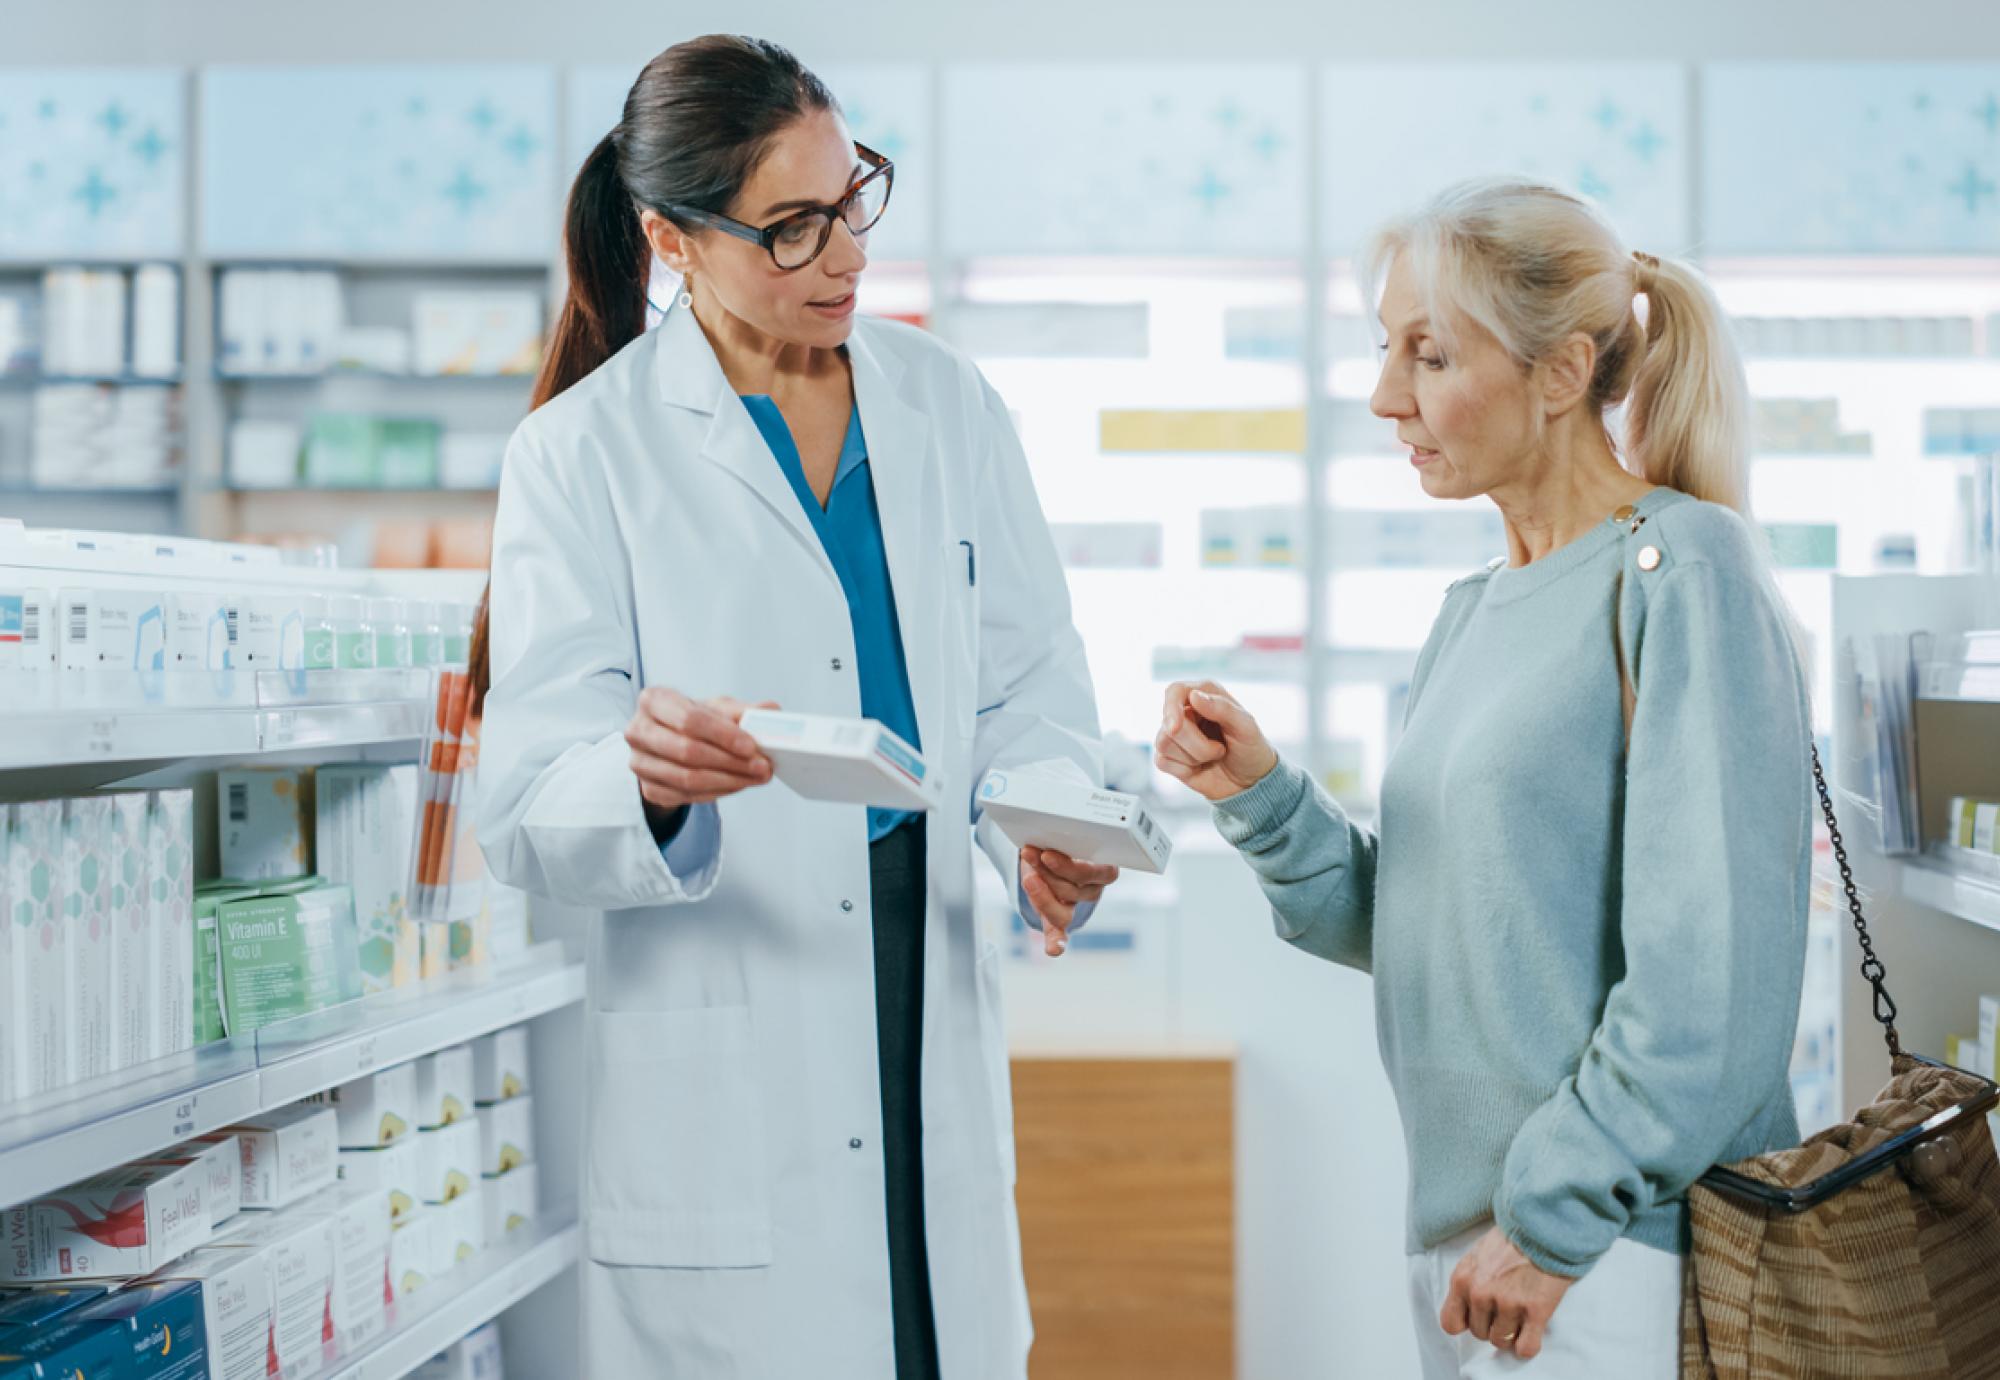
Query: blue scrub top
point(850, 532)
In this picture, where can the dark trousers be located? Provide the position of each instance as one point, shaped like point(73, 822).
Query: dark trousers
point(897, 877)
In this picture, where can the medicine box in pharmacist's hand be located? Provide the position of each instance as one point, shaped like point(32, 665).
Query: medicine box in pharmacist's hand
point(1037, 809)
point(851, 761)
point(237, 1311)
point(500, 1065)
point(221, 1162)
point(288, 1154)
point(506, 1136)
point(444, 1087)
point(119, 1225)
point(394, 1175)
point(377, 1110)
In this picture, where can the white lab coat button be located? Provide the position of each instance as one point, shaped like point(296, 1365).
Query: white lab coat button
point(1649, 558)
point(854, 1144)
point(836, 663)
point(847, 905)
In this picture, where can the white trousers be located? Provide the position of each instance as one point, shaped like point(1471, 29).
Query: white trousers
point(1622, 1319)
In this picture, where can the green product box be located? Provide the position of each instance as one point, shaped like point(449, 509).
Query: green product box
point(286, 955)
point(342, 451)
point(406, 454)
point(208, 902)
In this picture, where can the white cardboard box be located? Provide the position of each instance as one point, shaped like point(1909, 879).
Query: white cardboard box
point(361, 1278)
point(238, 1319)
point(449, 1159)
point(511, 1202)
point(377, 1110)
point(395, 1174)
point(265, 822)
point(1090, 824)
point(170, 894)
point(221, 1163)
point(506, 1136)
point(302, 1248)
point(137, 958)
point(93, 958)
point(476, 1356)
point(288, 1154)
point(444, 1084)
point(34, 951)
point(159, 1207)
point(500, 1065)
point(462, 1225)
point(413, 1253)
point(853, 761)
point(365, 826)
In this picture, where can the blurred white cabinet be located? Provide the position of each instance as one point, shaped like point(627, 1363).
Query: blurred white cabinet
point(1871, 157)
point(402, 162)
point(92, 163)
point(1394, 134)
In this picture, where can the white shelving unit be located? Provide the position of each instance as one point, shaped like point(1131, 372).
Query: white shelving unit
point(1963, 894)
point(156, 733)
point(432, 1320)
point(55, 1140)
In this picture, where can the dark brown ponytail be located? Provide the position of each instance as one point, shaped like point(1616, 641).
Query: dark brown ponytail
point(696, 124)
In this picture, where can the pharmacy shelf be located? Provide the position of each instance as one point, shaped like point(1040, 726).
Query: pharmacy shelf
point(433, 1318)
point(1964, 894)
point(29, 378)
point(104, 491)
point(60, 1138)
point(371, 375)
point(313, 1053)
point(376, 707)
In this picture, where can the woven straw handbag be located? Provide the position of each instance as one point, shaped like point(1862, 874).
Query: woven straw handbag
point(1873, 1250)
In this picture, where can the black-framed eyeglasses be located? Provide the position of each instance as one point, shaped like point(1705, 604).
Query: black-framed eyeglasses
point(799, 238)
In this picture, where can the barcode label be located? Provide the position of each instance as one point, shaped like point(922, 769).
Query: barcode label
point(239, 802)
point(1145, 826)
point(229, 618)
point(79, 623)
point(31, 624)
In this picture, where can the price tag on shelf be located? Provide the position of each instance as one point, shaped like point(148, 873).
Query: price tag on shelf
point(184, 1115)
point(103, 737)
point(365, 1055)
point(281, 729)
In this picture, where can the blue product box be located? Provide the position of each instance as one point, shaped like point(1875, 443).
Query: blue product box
point(67, 1351)
point(39, 1307)
point(159, 1327)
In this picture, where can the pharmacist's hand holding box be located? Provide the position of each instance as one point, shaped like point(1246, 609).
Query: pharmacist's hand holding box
point(691, 752)
point(1072, 838)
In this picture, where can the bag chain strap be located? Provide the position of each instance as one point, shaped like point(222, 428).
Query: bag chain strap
point(1871, 966)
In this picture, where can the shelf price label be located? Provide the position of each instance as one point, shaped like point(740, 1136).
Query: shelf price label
point(281, 729)
point(365, 1055)
point(102, 740)
point(184, 1116)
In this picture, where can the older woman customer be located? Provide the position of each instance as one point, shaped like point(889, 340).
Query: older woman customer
point(1585, 902)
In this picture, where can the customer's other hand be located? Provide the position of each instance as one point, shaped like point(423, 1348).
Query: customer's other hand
point(1502, 1297)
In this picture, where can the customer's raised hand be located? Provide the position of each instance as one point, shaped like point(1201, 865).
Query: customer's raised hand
point(1210, 741)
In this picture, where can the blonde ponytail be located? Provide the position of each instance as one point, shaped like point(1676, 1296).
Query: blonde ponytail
point(1687, 422)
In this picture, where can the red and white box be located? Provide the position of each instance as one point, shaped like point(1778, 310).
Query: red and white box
point(118, 1225)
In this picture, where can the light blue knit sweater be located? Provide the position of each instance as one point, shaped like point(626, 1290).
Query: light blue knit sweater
point(1587, 950)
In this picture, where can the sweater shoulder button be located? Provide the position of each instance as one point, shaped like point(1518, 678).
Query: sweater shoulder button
point(1624, 514)
point(1649, 557)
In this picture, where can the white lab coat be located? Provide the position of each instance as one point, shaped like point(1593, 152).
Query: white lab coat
point(733, 1187)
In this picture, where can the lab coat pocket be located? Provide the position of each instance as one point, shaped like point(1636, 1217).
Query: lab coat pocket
point(677, 1164)
point(961, 608)
point(993, 1039)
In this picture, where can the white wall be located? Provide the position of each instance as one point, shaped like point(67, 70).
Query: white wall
point(196, 31)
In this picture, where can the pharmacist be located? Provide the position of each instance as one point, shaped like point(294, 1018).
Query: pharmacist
point(799, 1154)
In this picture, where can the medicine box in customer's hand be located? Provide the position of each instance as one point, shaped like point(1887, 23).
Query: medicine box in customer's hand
point(1038, 810)
point(851, 761)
